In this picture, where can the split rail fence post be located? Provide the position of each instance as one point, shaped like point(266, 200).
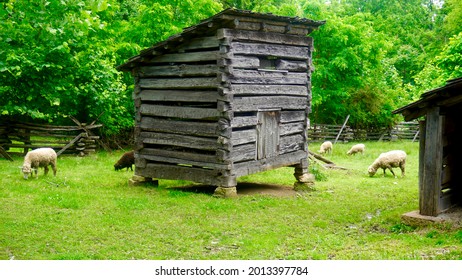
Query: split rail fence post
point(341, 129)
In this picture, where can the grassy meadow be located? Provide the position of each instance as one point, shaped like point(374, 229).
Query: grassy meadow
point(88, 211)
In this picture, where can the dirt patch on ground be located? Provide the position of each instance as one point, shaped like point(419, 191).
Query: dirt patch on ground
point(244, 189)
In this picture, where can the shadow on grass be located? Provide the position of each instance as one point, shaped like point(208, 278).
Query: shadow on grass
point(243, 189)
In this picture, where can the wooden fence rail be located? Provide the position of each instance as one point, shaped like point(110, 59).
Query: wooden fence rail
point(18, 137)
point(403, 130)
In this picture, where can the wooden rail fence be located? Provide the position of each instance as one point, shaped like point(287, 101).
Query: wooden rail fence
point(18, 137)
point(403, 130)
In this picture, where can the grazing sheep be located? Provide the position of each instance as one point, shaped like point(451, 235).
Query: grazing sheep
point(358, 148)
point(388, 160)
point(326, 147)
point(126, 161)
point(41, 157)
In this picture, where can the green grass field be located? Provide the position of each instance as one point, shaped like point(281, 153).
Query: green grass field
point(88, 211)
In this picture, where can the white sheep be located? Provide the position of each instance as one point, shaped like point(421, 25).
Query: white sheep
point(388, 160)
point(326, 147)
point(358, 148)
point(41, 157)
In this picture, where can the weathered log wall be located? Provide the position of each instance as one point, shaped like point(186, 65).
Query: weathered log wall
point(203, 113)
point(178, 117)
point(269, 78)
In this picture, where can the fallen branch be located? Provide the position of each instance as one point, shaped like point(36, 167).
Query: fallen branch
point(318, 156)
point(329, 164)
point(333, 166)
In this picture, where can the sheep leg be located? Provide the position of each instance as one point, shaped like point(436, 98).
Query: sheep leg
point(402, 167)
point(53, 166)
point(391, 170)
point(45, 169)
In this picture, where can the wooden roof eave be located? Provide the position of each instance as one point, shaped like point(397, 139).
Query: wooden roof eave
point(413, 111)
point(268, 16)
point(444, 97)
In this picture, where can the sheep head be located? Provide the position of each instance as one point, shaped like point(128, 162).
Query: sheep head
point(118, 166)
point(26, 170)
point(372, 170)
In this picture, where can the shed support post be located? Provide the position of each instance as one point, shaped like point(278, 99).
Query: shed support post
point(423, 135)
point(139, 180)
point(305, 180)
point(225, 192)
point(227, 186)
point(430, 189)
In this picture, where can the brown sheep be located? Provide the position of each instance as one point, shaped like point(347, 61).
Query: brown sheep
point(126, 161)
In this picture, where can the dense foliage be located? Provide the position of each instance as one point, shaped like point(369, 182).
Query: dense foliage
point(58, 57)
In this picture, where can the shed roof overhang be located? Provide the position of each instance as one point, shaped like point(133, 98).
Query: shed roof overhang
point(225, 19)
point(444, 97)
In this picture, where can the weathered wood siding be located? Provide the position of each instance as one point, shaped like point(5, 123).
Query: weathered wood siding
point(439, 184)
point(268, 77)
point(224, 105)
point(180, 117)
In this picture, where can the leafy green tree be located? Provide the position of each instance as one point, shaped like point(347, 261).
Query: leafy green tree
point(445, 66)
point(352, 76)
point(412, 25)
point(453, 20)
point(58, 57)
point(53, 64)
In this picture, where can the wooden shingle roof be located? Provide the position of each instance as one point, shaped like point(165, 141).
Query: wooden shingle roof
point(444, 97)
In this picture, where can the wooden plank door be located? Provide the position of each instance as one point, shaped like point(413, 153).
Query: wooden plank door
point(268, 133)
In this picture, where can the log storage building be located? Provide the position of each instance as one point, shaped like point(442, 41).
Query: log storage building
point(225, 98)
point(440, 183)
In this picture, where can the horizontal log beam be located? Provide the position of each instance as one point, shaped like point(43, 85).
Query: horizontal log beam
point(184, 57)
point(265, 37)
point(182, 70)
point(179, 112)
point(269, 89)
point(180, 83)
point(178, 172)
point(280, 51)
point(180, 127)
point(239, 76)
point(179, 95)
point(175, 140)
point(268, 102)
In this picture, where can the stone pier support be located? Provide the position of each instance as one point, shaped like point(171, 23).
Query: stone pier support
point(139, 180)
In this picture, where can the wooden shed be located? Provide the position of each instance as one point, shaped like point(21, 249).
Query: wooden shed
point(440, 183)
point(225, 98)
